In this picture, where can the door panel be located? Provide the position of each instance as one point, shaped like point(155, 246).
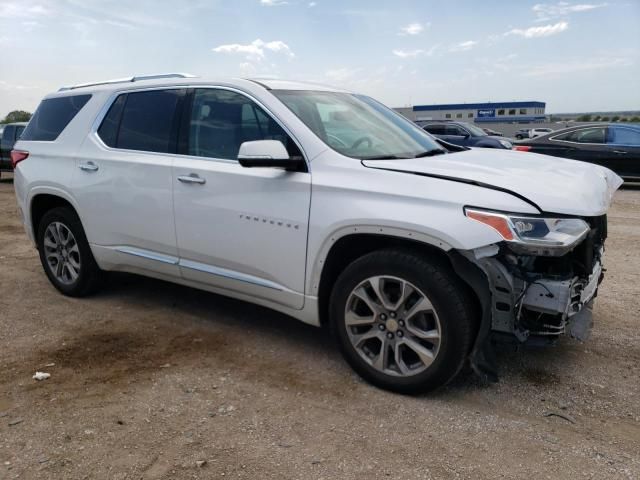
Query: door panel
point(245, 229)
point(623, 142)
point(127, 202)
point(240, 229)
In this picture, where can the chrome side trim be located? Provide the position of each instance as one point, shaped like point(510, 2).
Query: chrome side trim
point(138, 252)
point(231, 274)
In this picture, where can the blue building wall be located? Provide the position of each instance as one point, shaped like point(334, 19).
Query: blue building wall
point(489, 111)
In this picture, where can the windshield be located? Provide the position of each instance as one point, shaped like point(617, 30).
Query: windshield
point(357, 126)
point(473, 130)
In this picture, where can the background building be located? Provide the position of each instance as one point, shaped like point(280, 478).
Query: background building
point(491, 112)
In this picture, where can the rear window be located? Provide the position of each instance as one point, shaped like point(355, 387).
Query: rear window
point(52, 117)
point(143, 121)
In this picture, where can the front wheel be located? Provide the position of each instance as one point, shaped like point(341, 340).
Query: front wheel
point(403, 322)
point(65, 254)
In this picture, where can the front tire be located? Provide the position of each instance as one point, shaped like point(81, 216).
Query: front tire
point(405, 323)
point(65, 253)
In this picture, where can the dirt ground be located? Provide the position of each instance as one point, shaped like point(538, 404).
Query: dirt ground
point(150, 380)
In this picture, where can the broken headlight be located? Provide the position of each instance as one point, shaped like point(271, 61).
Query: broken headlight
point(539, 236)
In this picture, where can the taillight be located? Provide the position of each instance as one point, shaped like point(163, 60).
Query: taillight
point(522, 148)
point(17, 156)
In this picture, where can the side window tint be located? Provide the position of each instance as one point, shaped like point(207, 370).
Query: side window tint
point(435, 129)
point(148, 120)
point(624, 136)
point(108, 130)
point(52, 117)
point(8, 133)
point(587, 135)
point(453, 130)
point(222, 120)
point(19, 131)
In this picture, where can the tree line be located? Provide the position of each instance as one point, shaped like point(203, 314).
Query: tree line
point(16, 116)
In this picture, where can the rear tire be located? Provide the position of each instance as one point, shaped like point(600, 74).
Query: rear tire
point(65, 253)
point(404, 322)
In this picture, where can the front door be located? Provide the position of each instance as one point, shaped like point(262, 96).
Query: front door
point(238, 229)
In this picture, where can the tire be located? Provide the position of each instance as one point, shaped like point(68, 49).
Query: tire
point(55, 227)
point(452, 315)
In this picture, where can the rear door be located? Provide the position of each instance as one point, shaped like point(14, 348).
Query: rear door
point(624, 145)
point(241, 230)
point(123, 183)
point(6, 144)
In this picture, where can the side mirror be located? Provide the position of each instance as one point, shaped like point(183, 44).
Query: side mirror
point(268, 153)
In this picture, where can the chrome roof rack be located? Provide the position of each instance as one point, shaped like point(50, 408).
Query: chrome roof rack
point(135, 78)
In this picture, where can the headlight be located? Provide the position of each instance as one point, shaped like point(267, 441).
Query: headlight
point(534, 235)
point(505, 144)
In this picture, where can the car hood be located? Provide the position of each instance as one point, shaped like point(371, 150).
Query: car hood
point(552, 184)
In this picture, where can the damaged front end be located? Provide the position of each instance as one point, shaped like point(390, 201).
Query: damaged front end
point(536, 285)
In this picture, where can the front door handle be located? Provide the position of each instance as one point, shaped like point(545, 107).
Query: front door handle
point(88, 167)
point(192, 178)
point(620, 152)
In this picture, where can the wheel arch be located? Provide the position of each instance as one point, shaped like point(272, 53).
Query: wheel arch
point(41, 201)
point(342, 249)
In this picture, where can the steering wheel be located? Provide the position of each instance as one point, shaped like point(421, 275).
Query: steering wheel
point(335, 140)
point(360, 141)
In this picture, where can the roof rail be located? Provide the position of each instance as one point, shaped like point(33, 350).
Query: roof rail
point(135, 78)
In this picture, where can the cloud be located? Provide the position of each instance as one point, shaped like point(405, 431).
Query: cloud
point(21, 10)
point(547, 11)
point(255, 50)
point(412, 29)
point(537, 32)
point(408, 53)
point(572, 66)
point(463, 46)
point(312, 4)
point(273, 3)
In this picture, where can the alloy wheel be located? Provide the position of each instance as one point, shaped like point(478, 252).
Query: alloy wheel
point(62, 253)
point(393, 326)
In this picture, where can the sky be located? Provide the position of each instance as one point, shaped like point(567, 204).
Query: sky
point(574, 55)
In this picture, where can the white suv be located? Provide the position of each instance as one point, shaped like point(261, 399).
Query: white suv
point(322, 204)
point(538, 132)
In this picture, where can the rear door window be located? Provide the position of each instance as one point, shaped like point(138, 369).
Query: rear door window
point(52, 117)
point(586, 135)
point(149, 121)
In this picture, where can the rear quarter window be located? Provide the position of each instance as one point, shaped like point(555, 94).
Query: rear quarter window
point(52, 117)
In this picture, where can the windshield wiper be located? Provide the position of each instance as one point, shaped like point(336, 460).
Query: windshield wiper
point(382, 157)
point(430, 153)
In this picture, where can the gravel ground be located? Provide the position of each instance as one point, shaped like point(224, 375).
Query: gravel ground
point(153, 380)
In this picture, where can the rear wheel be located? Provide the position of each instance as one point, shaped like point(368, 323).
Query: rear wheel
point(404, 323)
point(65, 254)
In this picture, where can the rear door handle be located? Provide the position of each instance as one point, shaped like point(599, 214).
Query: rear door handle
point(88, 167)
point(620, 152)
point(192, 178)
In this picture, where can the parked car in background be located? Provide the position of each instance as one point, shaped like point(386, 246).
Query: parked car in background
point(488, 131)
point(536, 132)
point(410, 252)
point(465, 135)
point(10, 134)
point(615, 146)
point(522, 133)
